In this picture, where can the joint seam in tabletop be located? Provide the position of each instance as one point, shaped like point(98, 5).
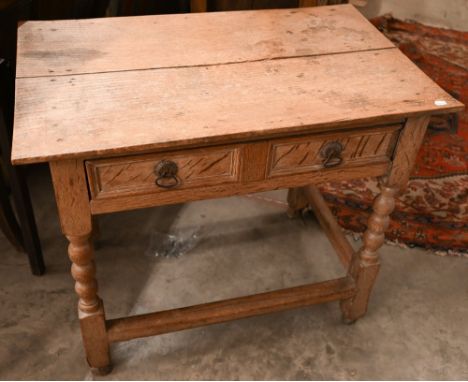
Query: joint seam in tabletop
point(78, 46)
point(274, 58)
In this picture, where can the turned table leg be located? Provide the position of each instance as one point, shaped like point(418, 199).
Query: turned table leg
point(90, 307)
point(365, 265)
point(75, 217)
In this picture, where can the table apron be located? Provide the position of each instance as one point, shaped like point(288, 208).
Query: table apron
point(130, 182)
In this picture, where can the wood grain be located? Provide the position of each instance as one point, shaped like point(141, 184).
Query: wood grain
point(365, 264)
point(406, 150)
point(297, 201)
point(122, 329)
point(70, 47)
point(71, 194)
point(75, 116)
point(247, 112)
point(152, 199)
point(136, 174)
point(254, 161)
point(73, 206)
point(302, 154)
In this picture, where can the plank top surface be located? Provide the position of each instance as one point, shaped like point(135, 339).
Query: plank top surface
point(144, 42)
point(211, 78)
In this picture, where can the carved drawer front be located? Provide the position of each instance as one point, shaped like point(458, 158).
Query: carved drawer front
point(344, 149)
point(162, 172)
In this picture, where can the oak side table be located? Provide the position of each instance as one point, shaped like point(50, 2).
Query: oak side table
point(145, 111)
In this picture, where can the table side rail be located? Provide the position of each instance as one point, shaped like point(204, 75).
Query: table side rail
point(122, 329)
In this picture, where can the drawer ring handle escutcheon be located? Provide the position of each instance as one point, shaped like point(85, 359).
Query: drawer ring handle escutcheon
point(166, 172)
point(331, 154)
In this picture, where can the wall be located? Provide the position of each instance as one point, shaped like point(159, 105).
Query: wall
point(452, 14)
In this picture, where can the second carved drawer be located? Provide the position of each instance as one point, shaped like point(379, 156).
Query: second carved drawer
point(315, 152)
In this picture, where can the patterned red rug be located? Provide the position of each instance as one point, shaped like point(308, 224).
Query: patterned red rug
point(433, 211)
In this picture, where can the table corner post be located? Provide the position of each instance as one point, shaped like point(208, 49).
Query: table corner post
point(365, 264)
point(72, 198)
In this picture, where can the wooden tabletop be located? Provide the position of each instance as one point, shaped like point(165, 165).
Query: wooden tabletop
point(120, 85)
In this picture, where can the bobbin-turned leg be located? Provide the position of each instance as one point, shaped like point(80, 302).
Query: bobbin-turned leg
point(365, 264)
point(71, 193)
point(90, 307)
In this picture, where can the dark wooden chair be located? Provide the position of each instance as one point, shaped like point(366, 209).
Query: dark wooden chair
point(20, 228)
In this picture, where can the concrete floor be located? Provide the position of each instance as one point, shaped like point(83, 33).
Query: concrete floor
point(416, 328)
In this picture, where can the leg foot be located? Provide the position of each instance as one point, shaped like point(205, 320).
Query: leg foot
point(348, 321)
point(101, 371)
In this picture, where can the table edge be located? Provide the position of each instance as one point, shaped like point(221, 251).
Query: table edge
point(234, 138)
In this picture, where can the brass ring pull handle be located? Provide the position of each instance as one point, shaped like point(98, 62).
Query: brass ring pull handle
point(166, 172)
point(331, 154)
